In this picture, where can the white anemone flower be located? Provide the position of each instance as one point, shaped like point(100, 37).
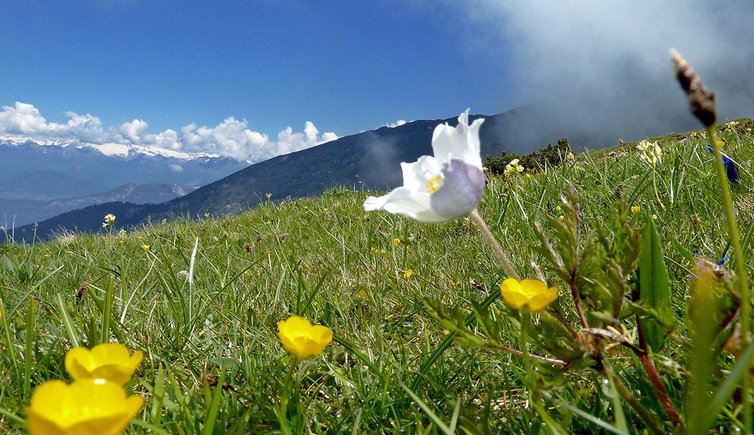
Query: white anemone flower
point(442, 187)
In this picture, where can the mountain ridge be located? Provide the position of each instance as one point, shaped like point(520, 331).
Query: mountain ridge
point(368, 159)
point(58, 171)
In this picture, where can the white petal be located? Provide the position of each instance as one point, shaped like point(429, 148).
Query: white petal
point(415, 175)
point(407, 203)
point(461, 190)
point(460, 143)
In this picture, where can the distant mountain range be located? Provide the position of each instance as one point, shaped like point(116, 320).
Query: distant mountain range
point(369, 159)
point(40, 179)
point(23, 211)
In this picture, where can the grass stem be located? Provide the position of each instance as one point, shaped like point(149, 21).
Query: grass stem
point(492, 242)
point(742, 279)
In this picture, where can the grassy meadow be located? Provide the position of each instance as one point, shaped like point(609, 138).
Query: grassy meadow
point(423, 343)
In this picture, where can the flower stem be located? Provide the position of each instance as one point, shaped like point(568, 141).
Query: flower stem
point(660, 391)
point(492, 242)
point(654, 185)
point(742, 279)
point(577, 300)
point(544, 359)
point(525, 321)
point(288, 393)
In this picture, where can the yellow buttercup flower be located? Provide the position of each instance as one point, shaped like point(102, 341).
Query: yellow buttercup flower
point(529, 294)
point(635, 209)
point(304, 340)
point(110, 361)
point(87, 406)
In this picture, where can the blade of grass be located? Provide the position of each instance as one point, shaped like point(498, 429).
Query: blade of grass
point(13, 417)
point(432, 416)
point(190, 302)
point(551, 425)
point(445, 344)
point(67, 322)
point(726, 389)
point(214, 406)
point(456, 413)
point(106, 308)
point(358, 354)
point(157, 395)
point(10, 344)
point(151, 428)
point(585, 415)
point(620, 416)
point(29, 347)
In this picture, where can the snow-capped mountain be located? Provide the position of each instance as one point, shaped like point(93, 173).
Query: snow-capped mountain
point(60, 170)
point(108, 149)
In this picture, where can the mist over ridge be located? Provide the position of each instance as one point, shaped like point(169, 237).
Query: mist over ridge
point(603, 67)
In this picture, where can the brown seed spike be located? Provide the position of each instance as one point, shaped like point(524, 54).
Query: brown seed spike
point(701, 99)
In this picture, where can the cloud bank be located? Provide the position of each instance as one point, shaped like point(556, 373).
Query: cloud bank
point(606, 62)
point(231, 138)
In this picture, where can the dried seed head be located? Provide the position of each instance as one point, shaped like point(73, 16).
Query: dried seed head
point(589, 344)
point(701, 99)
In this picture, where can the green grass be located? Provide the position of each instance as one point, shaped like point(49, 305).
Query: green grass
point(327, 260)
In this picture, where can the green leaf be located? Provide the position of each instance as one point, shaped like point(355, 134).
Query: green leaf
point(654, 286)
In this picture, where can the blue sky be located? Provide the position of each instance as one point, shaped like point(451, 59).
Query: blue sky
point(347, 66)
point(256, 78)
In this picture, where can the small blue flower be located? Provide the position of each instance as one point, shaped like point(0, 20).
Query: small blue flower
point(731, 170)
point(703, 265)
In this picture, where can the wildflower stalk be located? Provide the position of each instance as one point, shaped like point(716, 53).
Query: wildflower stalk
point(492, 242)
point(703, 356)
point(742, 279)
point(525, 321)
point(577, 299)
point(702, 103)
point(290, 389)
point(654, 185)
point(544, 359)
point(655, 379)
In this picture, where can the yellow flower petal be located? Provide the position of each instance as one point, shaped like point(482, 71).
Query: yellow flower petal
point(87, 406)
point(299, 337)
point(529, 294)
point(110, 361)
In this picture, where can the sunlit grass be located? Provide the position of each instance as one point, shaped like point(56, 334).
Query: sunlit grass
point(329, 261)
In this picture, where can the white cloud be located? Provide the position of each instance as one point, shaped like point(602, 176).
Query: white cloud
point(231, 138)
point(328, 136)
point(134, 130)
point(397, 123)
point(22, 119)
point(87, 128)
point(616, 52)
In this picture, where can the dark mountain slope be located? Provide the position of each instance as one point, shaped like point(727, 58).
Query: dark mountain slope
point(370, 159)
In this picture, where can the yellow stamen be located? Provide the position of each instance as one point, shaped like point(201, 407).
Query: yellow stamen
point(434, 184)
